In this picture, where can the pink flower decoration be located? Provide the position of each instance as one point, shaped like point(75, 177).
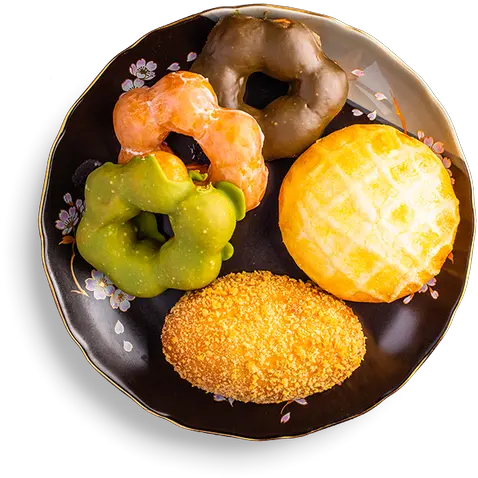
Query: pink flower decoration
point(192, 55)
point(380, 96)
point(130, 85)
point(80, 206)
point(285, 418)
point(438, 147)
point(68, 199)
point(424, 288)
point(121, 300)
point(100, 285)
point(431, 283)
point(358, 72)
point(143, 70)
point(221, 398)
point(372, 115)
point(173, 66)
point(428, 140)
point(446, 162)
point(67, 220)
point(357, 112)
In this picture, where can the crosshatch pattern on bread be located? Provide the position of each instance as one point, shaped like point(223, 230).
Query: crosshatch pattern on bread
point(369, 213)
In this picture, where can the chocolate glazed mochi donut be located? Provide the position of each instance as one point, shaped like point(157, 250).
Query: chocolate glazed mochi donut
point(289, 51)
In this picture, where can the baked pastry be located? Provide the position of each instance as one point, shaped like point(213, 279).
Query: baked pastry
point(239, 46)
point(263, 338)
point(368, 213)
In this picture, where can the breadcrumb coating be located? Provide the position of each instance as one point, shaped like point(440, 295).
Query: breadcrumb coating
point(263, 338)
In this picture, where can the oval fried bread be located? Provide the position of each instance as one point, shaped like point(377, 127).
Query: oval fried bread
point(263, 338)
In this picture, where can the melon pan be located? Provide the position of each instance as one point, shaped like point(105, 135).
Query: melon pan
point(368, 213)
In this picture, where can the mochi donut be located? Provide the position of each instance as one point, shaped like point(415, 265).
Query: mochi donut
point(118, 233)
point(368, 213)
point(289, 51)
point(185, 103)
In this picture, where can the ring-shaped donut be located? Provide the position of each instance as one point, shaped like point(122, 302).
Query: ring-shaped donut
point(118, 233)
point(185, 103)
point(289, 51)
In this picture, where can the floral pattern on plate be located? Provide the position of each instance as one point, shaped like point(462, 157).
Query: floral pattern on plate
point(100, 285)
point(428, 287)
point(285, 417)
point(438, 148)
point(143, 71)
point(121, 300)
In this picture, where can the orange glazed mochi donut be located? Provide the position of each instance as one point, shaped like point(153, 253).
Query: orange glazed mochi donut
point(185, 103)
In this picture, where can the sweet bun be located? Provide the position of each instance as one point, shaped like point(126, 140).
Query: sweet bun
point(368, 213)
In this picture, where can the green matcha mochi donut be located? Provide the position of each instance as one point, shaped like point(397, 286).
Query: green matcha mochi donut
point(118, 233)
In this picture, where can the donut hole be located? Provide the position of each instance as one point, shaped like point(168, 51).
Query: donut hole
point(164, 225)
point(262, 89)
point(187, 148)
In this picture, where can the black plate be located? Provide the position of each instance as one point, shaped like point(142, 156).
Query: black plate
point(125, 347)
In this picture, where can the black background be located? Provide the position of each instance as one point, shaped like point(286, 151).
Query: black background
point(74, 400)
